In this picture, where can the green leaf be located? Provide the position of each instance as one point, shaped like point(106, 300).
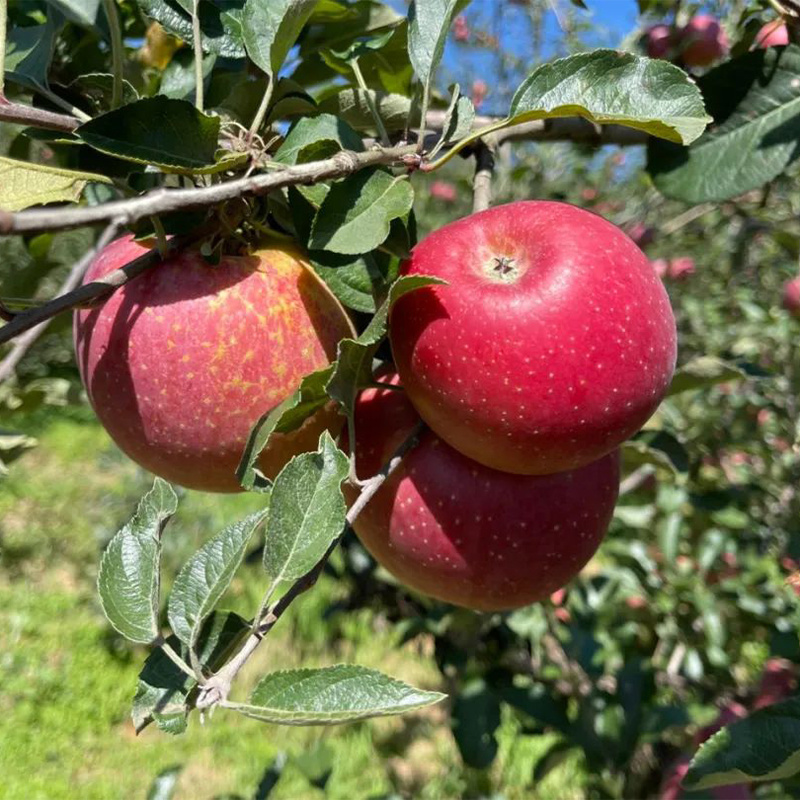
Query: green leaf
point(24, 184)
point(608, 86)
point(702, 372)
point(352, 106)
point(459, 118)
point(128, 581)
point(764, 746)
point(284, 418)
point(98, 87)
point(429, 23)
point(220, 23)
point(178, 79)
point(12, 446)
point(29, 51)
point(81, 12)
point(163, 688)
point(307, 512)
point(353, 279)
point(362, 46)
point(332, 695)
point(355, 215)
point(353, 367)
point(170, 134)
point(475, 718)
point(313, 138)
point(271, 28)
point(755, 102)
point(206, 576)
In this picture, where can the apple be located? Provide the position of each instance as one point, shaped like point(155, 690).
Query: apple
point(681, 268)
point(551, 343)
point(641, 234)
point(467, 534)
point(773, 34)
point(443, 190)
point(479, 91)
point(703, 41)
point(791, 296)
point(778, 681)
point(460, 29)
point(658, 41)
point(181, 362)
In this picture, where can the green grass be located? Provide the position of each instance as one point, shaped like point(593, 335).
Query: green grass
point(68, 679)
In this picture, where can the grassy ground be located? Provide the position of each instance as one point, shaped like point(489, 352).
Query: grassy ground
point(68, 679)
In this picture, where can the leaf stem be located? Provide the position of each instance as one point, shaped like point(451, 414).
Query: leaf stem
point(177, 660)
point(362, 84)
point(117, 51)
point(61, 103)
point(197, 44)
point(262, 109)
point(426, 99)
point(466, 141)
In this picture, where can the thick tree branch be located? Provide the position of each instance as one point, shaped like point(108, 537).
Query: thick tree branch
point(36, 117)
point(216, 689)
point(165, 201)
point(71, 282)
point(484, 170)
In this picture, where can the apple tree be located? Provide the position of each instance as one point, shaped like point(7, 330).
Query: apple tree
point(199, 142)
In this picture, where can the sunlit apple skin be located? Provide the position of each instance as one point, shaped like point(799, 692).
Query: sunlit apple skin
point(457, 531)
point(551, 344)
point(181, 362)
point(658, 41)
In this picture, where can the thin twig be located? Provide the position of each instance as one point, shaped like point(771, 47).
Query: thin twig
point(636, 479)
point(484, 171)
point(166, 201)
point(218, 687)
point(36, 117)
point(89, 292)
point(24, 342)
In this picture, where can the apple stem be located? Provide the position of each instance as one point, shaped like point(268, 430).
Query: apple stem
point(217, 688)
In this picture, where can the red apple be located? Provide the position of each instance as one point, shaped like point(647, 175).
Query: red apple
point(778, 681)
point(180, 362)
point(773, 34)
point(791, 296)
point(460, 29)
point(658, 41)
point(703, 41)
point(479, 91)
point(552, 342)
point(442, 190)
point(681, 268)
point(467, 534)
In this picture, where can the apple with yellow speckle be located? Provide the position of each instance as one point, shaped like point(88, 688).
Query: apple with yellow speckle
point(467, 534)
point(179, 363)
point(552, 342)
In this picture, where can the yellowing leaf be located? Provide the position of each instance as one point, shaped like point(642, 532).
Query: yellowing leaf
point(23, 184)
